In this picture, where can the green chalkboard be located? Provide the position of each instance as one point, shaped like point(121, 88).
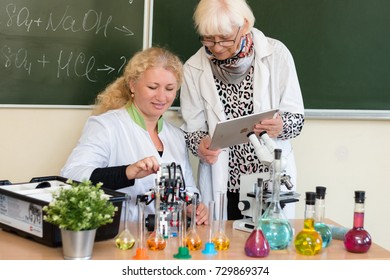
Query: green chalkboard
point(340, 47)
point(63, 52)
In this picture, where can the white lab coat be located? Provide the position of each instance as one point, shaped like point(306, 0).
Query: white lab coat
point(275, 86)
point(114, 139)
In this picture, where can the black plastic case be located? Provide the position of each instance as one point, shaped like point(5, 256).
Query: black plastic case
point(47, 233)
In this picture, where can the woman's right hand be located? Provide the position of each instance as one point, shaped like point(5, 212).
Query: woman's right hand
point(142, 168)
point(205, 154)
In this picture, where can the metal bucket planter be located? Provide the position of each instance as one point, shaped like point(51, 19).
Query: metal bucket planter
point(77, 245)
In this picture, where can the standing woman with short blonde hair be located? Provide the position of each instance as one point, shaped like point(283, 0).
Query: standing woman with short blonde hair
point(238, 71)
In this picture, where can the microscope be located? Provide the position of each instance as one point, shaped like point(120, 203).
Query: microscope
point(171, 188)
point(264, 149)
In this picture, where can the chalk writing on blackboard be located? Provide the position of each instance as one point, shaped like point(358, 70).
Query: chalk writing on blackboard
point(68, 49)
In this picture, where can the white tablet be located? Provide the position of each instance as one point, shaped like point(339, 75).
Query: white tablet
point(234, 131)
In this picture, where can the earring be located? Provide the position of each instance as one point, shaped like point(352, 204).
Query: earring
point(132, 95)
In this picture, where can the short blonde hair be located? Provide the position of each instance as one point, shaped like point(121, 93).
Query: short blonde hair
point(118, 93)
point(214, 17)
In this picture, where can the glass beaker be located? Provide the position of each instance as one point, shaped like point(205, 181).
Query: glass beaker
point(125, 240)
point(193, 240)
point(156, 240)
point(183, 251)
point(220, 240)
point(357, 239)
point(319, 223)
point(308, 241)
point(257, 245)
point(209, 248)
point(141, 252)
point(276, 227)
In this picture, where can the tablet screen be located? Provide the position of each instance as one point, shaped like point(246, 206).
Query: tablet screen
point(234, 131)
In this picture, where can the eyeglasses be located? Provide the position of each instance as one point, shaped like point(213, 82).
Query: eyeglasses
point(225, 43)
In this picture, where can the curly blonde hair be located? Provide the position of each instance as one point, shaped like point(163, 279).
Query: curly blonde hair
point(118, 93)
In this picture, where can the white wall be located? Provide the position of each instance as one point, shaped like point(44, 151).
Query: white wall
point(343, 155)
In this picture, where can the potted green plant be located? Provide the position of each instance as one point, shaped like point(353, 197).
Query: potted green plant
point(79, 210)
